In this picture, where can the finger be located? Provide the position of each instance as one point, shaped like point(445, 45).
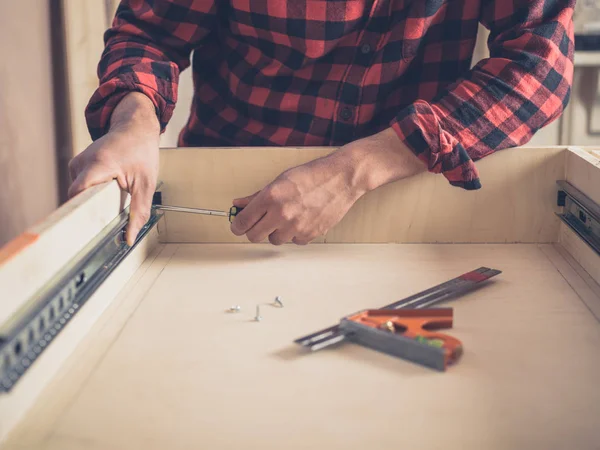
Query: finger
point(281, 236)
point(73, 168)
point(244, 201)
point(90, 177)
point(263, 228)
point(139, 210)
point(248, 217)
point(301, 240)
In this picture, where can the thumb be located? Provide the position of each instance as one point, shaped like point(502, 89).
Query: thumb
point(139, 211)
point(243, 201)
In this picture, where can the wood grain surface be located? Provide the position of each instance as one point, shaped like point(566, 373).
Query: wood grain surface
point(583, 171)
point(179, 372)
point(29, 262)
point(585, 255)
point(516, 204)
point(25, 268)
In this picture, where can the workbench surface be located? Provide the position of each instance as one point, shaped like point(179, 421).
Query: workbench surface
point(167, 368)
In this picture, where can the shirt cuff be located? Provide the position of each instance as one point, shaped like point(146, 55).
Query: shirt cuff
point(422, 131)
point(108, 95)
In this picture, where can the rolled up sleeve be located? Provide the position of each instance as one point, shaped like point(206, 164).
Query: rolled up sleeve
point(146, 48)
point(502, 101)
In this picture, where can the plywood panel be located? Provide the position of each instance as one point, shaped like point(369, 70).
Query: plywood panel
point(583, 172)
point(516, 204)
point(585, 262)
point(28, 263)
point(185, 374)
point(28, 180)
point(580, 251)
point(23, 396)
point(87, 336)
point(31, 260)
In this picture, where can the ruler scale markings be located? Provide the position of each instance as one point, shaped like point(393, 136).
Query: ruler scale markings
point(396, 305)
point(444, 291)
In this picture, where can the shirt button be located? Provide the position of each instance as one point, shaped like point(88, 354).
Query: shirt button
point(346, 113)
point(366, 48)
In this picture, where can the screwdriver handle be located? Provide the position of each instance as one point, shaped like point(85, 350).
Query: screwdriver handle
point(234, 211)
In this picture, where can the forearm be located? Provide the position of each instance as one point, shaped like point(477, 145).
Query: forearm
point(377, 160)
point(135, 111)
point(127, 153)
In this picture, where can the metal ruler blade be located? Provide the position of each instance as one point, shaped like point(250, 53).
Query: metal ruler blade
point(437, 294)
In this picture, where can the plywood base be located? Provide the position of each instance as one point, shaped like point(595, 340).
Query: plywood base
point(175, 371)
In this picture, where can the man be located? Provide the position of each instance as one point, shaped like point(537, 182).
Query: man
point(389, 82)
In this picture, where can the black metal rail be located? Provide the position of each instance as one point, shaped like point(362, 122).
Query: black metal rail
point(25, 336)
point(580, 213)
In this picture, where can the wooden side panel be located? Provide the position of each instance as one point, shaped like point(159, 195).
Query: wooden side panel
point(582, 254)
point(583, 171)
point(87, 341)
point(14, 406)
point(516, 204)
point(28, 262)
point(580, 251)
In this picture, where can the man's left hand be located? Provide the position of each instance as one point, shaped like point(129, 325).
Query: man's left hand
point(306, 201)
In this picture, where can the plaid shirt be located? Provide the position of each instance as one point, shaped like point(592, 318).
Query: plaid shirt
point(326, 72)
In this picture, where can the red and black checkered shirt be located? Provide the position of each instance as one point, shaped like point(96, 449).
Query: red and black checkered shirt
point(326, 72)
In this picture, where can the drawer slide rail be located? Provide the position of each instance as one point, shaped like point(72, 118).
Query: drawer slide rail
point(580, 213)
point(27, 333)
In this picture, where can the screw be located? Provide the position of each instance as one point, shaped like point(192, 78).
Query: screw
point(389, 326)
point(234, 309)
point(278, 301)
point(258, 318)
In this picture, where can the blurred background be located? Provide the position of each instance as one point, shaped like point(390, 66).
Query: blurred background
point(49, 50)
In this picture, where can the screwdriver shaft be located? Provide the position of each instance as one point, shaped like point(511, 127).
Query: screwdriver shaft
point(210, 212)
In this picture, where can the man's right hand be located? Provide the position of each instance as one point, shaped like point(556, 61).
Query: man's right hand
point(128, 153)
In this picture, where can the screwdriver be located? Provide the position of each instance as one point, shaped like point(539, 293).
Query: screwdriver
point(233, 211)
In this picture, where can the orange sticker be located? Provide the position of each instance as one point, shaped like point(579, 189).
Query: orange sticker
point(15, 246)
